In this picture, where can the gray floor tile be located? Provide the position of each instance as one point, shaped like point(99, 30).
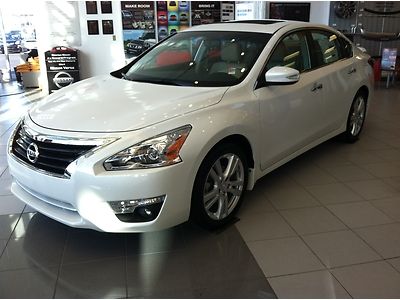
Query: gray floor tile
point(372, 189)
point(264, 226)
point(29, 283)
point(284, 256)
point(390, 206)
point(383, 170)
point(392, 155)
point(385, 239)
point(5, 175)
point(359, 214)
point(5, 187)
point(313, 285)
point(312, 220)
point(10, 205)
point(340, 248)
point(98, 279)
point(255, 202)
point(349, 173)
point(333, 193)
point(311, 175)
point(366, 157)
point(7, 225)
point(372, 280)
point(393, 182)
point(395, 262)
point(291, 197)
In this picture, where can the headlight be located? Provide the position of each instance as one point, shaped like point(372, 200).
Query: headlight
point(159, 151)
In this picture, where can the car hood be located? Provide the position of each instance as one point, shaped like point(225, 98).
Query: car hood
point(109, 104)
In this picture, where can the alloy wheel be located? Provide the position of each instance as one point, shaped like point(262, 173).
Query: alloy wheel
point(223, 186)
point(357, 117)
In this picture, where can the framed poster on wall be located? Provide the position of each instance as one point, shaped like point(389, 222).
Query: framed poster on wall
point(108, 26)
point(205, 12)
point(106, 7)
point(93, 27)
point(172, 16)
point(91, 7)
point(138, 24)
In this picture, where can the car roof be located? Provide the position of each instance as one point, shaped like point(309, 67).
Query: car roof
point(263, 26)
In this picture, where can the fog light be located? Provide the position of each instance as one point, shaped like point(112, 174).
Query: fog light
point(138, 210)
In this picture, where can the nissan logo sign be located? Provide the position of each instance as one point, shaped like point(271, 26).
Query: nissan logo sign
point(32, 152)
point(63, 79)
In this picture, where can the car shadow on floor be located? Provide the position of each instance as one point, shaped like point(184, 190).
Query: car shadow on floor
point(181, 262)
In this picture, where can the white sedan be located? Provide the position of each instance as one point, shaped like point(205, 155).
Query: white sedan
point(184, 129)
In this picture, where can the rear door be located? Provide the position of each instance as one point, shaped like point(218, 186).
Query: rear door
point(332, 57)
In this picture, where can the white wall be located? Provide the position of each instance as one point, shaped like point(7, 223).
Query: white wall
point(101, 54)
point(98, 54)
point(319, 12)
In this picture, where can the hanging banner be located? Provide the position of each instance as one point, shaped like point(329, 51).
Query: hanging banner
point(172, 16)
point(138, 24)
point(205, 12)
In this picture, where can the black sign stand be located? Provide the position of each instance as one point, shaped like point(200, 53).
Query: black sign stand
point(62, 67)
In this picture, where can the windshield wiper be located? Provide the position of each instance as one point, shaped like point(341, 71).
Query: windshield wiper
point(124, 76)
point(157, 81)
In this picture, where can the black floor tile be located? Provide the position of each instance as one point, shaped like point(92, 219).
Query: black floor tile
point(97, 279)
point(40, 228)
point(208, 261)
point(168, 240)
point(85, 245)
point(2, 246)
point(28, 283)
point(7, 224)
point(22, 254)
point(249, 289)
point(37, 241)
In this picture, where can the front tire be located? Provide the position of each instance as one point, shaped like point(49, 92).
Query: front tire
point(356, 118)
point(219, 186)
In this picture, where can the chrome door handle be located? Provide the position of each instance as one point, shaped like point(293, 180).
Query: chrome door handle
point(352, 70)
point(317, 86)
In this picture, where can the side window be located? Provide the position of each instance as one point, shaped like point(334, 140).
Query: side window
point(291, 52)
point(346, 50)
point(325, 48)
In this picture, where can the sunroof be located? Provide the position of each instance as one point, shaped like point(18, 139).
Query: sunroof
point(261, 22)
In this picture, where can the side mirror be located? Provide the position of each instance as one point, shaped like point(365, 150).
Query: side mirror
point(281, 76)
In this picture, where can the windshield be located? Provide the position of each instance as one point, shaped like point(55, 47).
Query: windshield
point(216, 58)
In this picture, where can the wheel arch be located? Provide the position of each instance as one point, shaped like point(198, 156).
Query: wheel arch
point(242, 142)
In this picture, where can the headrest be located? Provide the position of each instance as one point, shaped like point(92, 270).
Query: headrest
point(231, 52)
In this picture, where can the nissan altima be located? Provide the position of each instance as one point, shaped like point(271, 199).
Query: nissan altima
point(188, 126)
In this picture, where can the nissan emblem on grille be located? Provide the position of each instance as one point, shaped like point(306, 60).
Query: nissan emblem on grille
point(32, 152)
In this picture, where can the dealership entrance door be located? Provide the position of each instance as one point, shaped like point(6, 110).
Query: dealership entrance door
point(17, 39)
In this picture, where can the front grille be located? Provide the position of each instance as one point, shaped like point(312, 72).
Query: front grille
point(52, 157)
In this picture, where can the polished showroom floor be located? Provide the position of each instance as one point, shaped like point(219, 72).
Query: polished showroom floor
point(326, 225)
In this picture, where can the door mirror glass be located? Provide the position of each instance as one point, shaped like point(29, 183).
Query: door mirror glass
point(281, 76)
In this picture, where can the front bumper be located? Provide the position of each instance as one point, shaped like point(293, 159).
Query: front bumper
point(82, 200)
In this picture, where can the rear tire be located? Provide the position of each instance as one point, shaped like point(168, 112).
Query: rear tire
point(356, 118)
point(219, 186)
